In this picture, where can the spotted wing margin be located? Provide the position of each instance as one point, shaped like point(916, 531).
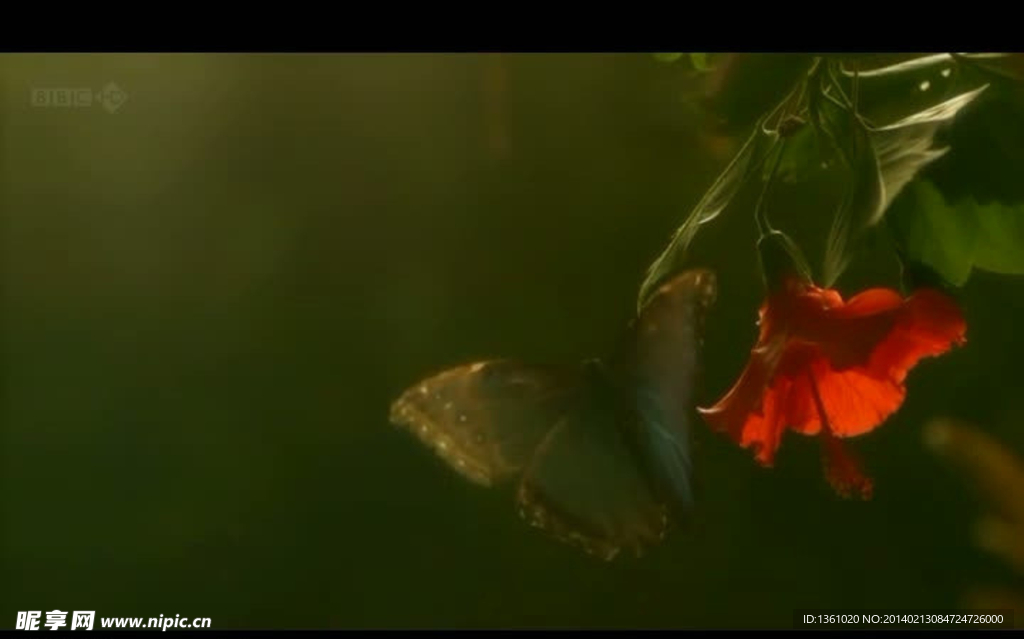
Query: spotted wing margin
point(660, 361)
point(486, 419)
point(584, 486)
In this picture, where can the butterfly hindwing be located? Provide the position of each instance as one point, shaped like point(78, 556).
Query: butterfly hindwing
point(584, 486)
point(485, 419)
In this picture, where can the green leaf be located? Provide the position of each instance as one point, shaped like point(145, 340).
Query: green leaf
point(700, 61)
point(954, 238)
point(907, 66)
point(742, 167)
point(882, 161)
point(932, 233)
point(745, 166)
point(1005, 66)
point(802, 156)
point(864, 201)
point(905, 147)
point(1000, 244)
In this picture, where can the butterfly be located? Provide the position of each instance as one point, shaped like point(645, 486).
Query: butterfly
point(600, 452)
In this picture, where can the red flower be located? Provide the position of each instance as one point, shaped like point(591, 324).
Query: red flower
point(831, 368)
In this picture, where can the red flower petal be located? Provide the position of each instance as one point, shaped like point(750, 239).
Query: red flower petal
point(929, 324)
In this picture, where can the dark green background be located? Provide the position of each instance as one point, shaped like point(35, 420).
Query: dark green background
point(212, 295)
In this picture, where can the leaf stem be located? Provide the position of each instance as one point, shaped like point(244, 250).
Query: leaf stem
point(760, 215)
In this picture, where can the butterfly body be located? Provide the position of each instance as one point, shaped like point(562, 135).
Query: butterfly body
point(600, 452)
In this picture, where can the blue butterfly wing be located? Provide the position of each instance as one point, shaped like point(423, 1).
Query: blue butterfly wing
point(660, 362)
point(584, 485)
point(485, 419)
point(557, 434)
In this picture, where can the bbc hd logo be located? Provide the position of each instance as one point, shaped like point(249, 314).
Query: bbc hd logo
point(111, 97)
point(31, 620)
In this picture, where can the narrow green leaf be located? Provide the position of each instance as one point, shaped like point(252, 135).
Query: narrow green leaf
point(908, 66)
point(865, 201)
point(937, 114)
point(905, 147)
point(804, 156)
point(715, 200)
point(882, 161)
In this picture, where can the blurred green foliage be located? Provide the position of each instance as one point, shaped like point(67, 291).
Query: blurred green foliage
point(699, 61)
point(668, 57)
point(951, 238)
